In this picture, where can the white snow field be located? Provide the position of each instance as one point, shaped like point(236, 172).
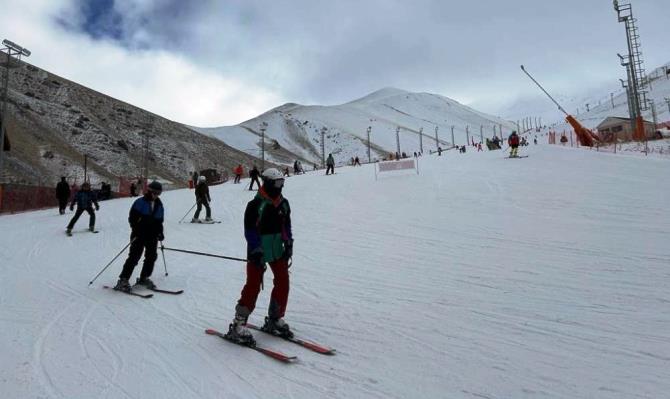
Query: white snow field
point(483, 277)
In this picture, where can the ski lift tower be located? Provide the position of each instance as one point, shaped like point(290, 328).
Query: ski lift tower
point(11, 50)
point(636, 73)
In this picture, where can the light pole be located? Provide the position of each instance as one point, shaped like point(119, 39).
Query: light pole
point(397, 139)
point(369, 157)
point(323, 146)
point(467, 134)
point(421, 140)
point(11, 49)
point(437, 141)
point(453, 143)
point(264, 126)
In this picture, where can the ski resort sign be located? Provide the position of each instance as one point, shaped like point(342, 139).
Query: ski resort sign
point(395, 166)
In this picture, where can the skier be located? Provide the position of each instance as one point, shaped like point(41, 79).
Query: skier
point(267, 229)
point(62, 194)
point(85, 199)
point(357, 161)
point(133, 189)
point(439, 151)
point(330, 164)
point(253, 174)
point(513, 142)
point(202, 198)
point(146, 224)
point(238, 173)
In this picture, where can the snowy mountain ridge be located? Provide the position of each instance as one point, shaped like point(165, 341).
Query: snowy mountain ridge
point(294, 131)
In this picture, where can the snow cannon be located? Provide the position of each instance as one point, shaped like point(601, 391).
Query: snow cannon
point(585, 136)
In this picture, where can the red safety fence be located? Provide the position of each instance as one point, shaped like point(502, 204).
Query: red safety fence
point(19, 198)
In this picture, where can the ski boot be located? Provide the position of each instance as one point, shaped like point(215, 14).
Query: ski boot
point(146, 283)
point(194, 220)
point(91, 229)
point(208, 219)
point(123, 285)
point(239, 333)
point(68, 232)
point(277, 327)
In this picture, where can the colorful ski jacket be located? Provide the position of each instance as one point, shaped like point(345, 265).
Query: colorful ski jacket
point(144, 221)
point(267, 225)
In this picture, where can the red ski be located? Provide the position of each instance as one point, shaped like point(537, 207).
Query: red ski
point(306, 344)
point(267, 352)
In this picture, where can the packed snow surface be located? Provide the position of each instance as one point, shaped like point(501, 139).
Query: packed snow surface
point(482, 277)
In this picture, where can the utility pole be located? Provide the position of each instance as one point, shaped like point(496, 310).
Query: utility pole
point(397, 139)
point(437, 141)
point(467, 134)
point(421, 140)
point(323, 146)
point(453, 143)
point(369, 157)
point(10, 49)
point(481, 133)
point(264, 126)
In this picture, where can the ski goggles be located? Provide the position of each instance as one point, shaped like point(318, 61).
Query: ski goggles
point(278, 183)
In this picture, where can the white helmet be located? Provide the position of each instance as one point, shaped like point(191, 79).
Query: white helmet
point(202, 179)
point(272, 174)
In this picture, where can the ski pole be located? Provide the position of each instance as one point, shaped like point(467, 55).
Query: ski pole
point(187, 212)
point(163, 253)
point(112, 261)
point(204, 254)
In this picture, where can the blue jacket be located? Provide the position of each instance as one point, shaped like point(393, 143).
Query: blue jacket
point(84, 199)
point(144, 222)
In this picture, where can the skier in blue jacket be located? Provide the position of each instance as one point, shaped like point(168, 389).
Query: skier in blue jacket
point(85, 200)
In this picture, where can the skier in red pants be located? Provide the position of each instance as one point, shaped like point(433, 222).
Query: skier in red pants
point(267, 229)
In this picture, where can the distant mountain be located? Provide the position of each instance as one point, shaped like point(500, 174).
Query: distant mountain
point(53, 123)
point(294, 131)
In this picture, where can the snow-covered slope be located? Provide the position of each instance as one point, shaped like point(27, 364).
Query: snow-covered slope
point(483, 277)
point(297, 128)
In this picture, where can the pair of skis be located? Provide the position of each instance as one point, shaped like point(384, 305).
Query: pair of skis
point(146, 296)
point(273, 353)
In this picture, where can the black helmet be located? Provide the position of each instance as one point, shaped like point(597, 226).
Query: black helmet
point(156, 187)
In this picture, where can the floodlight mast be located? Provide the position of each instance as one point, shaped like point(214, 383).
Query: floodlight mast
point(18, 51)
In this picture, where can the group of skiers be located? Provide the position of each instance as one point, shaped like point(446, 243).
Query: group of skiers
point(267, 229)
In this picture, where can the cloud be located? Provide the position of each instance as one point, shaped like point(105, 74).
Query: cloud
point(169, 84)
point(239, 58)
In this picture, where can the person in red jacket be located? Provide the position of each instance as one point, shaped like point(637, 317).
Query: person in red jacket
point(513, 142)
point(238, 173)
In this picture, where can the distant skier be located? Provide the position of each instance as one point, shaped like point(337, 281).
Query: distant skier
point(202, 198)
point(85, 200)
point(439, 151)
point(267, 229)
point(330, 164)
point(238, 173)
point(146, 224)
point(513, 142)
point(535, 140)
point(62, 194)
point(133, 189)
point(357, 161)
point(254, 174)
point(286, 172)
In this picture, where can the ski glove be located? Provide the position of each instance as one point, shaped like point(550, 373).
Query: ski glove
point(97, 207)
point(256, 257)
point(288, 249)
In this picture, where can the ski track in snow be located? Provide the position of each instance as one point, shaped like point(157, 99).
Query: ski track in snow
point(480, 278)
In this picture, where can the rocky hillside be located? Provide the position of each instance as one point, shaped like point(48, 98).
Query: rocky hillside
point(53, 123)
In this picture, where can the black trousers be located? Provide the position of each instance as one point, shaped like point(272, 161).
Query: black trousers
point(330, 168)
point(62, 204)
point(237, 178)
point(208, 210)
point(91, 220)
point(150, 248)
point(254, 179)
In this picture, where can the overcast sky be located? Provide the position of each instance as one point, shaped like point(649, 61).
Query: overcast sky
point(211, 63)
